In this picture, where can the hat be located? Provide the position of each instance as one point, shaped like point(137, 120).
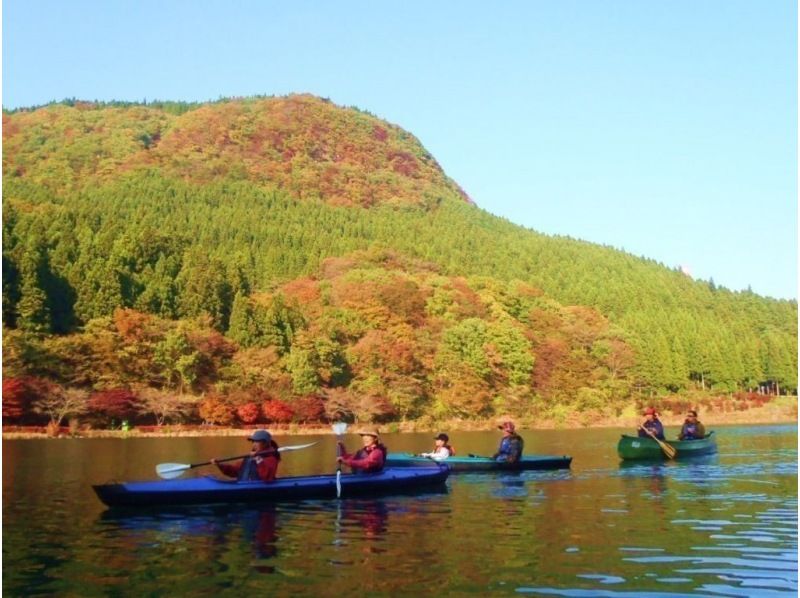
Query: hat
point(650, 411)
point(260, 436)
point(506, 426)
point(368, 432)
point(444, 437)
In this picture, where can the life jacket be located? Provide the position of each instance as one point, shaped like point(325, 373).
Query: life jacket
point(506, 444)
point(652, 425)
point(249, 469)
point(690, 431)
point(362, 452)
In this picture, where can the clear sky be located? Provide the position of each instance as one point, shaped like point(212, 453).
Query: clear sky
point(664, 128)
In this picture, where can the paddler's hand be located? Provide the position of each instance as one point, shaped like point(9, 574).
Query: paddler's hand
point(339, 460)
point(213, 461)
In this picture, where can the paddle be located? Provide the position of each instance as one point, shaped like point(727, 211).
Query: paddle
point(174, 470)
point(669, 450)
point(339, 428)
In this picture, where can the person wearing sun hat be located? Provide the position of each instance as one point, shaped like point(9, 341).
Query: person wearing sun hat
point(511, 445)
point(368, 459)
point(651, 424)
point(261, 464)
point(441, 450)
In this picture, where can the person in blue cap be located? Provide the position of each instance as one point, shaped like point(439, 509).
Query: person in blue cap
point(261, 464)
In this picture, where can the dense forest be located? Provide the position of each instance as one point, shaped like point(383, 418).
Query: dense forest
point(286, 259)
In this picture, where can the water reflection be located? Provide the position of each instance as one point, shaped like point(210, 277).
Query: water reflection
point(211, 525)
point(724, 524)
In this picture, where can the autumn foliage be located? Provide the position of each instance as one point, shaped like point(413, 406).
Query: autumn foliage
point(276, 411)
point(118, 403)
point(315, 259)
point(248, 413)
point(214, 409)
point(19, 394)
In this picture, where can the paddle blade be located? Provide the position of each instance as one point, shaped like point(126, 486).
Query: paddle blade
point(339, 428)
point(669, 450)
point(169, 471)
point(295, 447)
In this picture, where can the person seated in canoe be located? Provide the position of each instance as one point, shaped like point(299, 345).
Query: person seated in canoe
point(511, 445)
point(692, 428)
point(262, 464)
point(652, 424)
point(368, 459)
point(441, 450)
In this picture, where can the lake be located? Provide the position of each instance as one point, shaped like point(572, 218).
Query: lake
point(724, 525)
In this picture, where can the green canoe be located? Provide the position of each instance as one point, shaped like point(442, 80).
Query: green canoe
point(634, 447)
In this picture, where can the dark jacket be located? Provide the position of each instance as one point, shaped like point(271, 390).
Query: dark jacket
point(692, 431)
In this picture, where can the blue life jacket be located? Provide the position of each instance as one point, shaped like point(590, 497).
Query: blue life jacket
point(655, 426)
point(689, 431)
point(510, 449)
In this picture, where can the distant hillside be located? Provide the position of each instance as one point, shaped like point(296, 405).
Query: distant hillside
point(179, 211)
point(301, 144)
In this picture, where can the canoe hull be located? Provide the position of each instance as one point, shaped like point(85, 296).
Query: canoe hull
point(485, 464)
point(636, 448)
point(211, 490)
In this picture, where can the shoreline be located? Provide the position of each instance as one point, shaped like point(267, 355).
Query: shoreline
point(771, 414)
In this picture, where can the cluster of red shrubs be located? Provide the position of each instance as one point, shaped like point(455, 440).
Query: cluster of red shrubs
point(243, 407)
point(221, 410)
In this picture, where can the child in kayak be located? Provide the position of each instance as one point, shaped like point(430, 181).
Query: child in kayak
point(511, 445)
point(441, 450)
point(370, 458)
point(262, 464)
point(652, 424)
point(692, 428)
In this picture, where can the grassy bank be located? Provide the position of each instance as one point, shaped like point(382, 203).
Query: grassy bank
point(780, 410)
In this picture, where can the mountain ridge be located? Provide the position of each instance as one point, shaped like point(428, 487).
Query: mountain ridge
point(187, 216)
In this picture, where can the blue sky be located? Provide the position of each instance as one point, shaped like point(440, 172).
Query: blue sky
point(667, 129)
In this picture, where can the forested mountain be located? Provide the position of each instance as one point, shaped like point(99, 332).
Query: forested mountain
point(218, 211)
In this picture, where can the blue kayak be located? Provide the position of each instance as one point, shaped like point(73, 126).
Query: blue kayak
point(474, 463)
point(210, 490)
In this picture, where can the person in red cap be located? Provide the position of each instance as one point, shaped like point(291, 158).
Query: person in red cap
point(511, 445)
point(261, 464)
point(651, 424)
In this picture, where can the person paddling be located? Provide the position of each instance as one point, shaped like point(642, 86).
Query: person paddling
point(368, 459)
point(511, 445)
point(441, 450)
point(262, 464)
point(692, 428)
point(651, 424)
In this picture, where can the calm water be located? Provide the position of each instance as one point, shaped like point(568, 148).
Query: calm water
point(724, 526)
